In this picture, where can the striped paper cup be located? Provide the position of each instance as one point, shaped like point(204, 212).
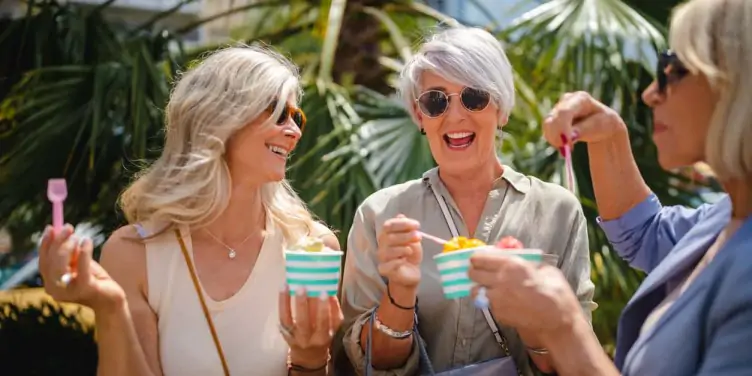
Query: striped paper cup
point(453, 267)
point(315, 271)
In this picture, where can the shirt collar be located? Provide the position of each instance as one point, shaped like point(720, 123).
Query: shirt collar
point(518, 181)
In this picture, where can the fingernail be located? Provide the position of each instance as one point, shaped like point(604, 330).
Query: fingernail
point(574, 135)
point(323, 296)
point(82, 241)
point(66, 278)
point(44, 236)
point(283, 287)
point(300, 292)
point(564, 139)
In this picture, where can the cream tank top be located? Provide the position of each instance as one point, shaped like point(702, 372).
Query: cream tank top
point(246, 323)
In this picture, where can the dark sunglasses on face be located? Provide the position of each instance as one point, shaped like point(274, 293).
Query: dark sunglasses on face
point(434, 103)
point(297, 115)
point(670, 70)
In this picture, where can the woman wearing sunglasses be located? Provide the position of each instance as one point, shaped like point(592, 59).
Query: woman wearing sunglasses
point(459, 90)
point(191, 286)
point(693, 313)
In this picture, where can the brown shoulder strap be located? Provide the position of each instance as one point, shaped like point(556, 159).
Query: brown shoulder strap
point(209, 321)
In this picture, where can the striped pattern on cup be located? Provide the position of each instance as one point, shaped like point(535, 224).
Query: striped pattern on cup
point(315, 271)
point(453, 272)
point(453, 268)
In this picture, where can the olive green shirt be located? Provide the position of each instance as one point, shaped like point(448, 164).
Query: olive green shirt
point(541, 215)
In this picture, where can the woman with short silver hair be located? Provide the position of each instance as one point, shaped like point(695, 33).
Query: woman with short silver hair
point(459, 90)
point(692, 315)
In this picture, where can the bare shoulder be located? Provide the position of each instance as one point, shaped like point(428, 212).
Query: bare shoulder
point(327, 235)
point(124, 258)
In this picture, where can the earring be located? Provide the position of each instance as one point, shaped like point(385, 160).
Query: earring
point(422, 131)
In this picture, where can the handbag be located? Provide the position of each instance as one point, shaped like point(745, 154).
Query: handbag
point(209, 321)
point(504, 366)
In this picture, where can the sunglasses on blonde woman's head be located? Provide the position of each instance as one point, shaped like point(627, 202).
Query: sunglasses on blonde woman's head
point(297, 115)
point(434, 103)
point(670, 70)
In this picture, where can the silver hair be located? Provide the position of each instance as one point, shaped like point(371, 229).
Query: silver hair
point(466, 55)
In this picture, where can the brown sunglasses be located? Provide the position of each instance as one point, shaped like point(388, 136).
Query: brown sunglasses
point(297, 115)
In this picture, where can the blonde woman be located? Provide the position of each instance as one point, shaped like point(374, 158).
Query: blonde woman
point(693, 313)
point(192, 286)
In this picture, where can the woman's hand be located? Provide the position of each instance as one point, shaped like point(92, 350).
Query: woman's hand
point(309, 334)
point(400, 252)
point(90, 285)
point(524, 296)
point(579, 117)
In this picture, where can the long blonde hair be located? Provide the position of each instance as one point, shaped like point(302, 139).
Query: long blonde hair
point(190, 183)
point(713, 37)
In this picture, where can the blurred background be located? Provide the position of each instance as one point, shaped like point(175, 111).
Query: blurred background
point(83, 85)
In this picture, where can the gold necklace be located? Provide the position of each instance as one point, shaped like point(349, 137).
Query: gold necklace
point(230, 250)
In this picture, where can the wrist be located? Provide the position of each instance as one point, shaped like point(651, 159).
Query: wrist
point(563, 336)
point(114, 306)
point(405, 298)
point(531, 339)
point(403, 295)
point(310, 359)
point(618, 139)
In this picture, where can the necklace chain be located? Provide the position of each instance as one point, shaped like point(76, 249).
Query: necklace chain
point(230, 250)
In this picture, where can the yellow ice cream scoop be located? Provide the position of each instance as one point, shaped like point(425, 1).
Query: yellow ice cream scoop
point(461, 242)
point(310, 244)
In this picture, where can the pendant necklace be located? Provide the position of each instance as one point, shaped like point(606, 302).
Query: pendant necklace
point(230, 250)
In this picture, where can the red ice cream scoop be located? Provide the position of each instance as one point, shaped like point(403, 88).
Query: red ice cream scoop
point(509, 242)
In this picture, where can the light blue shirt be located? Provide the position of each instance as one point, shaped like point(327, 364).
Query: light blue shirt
point(708, 329)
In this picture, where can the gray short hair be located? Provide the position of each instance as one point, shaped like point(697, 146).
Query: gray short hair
point(467, 55)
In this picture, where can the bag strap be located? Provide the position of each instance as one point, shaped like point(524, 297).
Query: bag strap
point(453, 229)
point(209, 321)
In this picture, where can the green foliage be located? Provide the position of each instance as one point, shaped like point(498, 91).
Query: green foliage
point(82, 100)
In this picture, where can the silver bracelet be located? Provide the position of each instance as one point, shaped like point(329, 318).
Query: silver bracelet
point(538, 351)
point(389, 331)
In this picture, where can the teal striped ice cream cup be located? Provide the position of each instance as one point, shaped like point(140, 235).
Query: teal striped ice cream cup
point(317, 272)
point(453, 267)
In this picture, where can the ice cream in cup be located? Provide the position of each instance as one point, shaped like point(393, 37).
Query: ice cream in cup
point(454, 262)
point(511, 246)
point(312, 265)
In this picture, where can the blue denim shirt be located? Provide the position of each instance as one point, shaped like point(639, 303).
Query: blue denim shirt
point(712, 335)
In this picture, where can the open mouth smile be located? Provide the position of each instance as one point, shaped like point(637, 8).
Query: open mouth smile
point(278, 150)
point(459, 140)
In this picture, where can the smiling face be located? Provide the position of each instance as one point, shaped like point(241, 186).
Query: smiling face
point(258, 153)
point(681, 116)
point(459, 139)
